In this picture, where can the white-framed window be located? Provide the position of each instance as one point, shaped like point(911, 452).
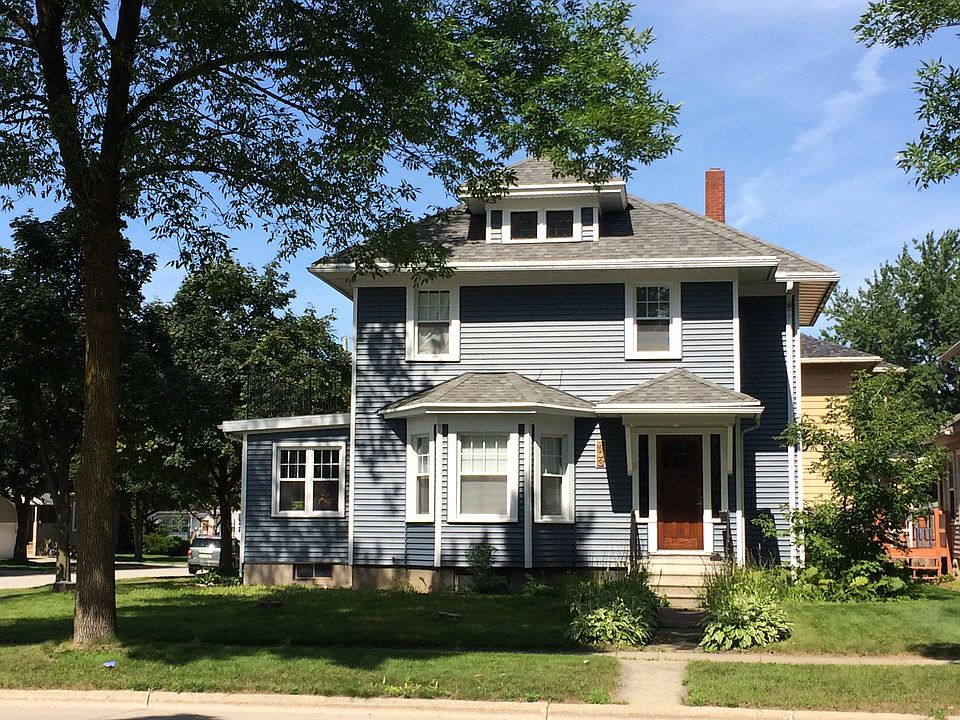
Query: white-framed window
point(486, 483)
point(543, 224)
point(308, 479)
point(652, 323)
point(433, 323)
point(420, 464)
point(553, 478)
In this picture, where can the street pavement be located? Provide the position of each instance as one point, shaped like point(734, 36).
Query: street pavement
point(19, 578)
point(123, 705)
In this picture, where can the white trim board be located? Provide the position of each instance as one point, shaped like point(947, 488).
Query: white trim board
point(294, 422)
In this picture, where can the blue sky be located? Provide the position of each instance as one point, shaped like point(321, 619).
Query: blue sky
point(805, 121)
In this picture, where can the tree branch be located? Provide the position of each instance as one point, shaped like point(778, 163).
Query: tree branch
point(16, 42)
point(18, 19)
point(193, 72)
point(105, 30)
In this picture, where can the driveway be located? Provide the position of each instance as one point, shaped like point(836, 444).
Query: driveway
point(17, 578)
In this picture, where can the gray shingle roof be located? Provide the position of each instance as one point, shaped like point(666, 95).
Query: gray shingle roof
point(644, 231)
point(540, 171)
point(679, 387)
point(811, 347)
point(489, 389)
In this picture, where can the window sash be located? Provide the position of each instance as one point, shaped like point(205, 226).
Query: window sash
point(419, 478)
point(554, 479)
point(309, 481)
point(559, 224)
point(521, 227)
point(484, 486)
point(652, 323)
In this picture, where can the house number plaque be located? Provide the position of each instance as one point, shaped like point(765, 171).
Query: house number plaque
point(601, 454)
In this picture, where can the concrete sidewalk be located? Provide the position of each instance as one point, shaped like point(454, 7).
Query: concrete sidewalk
point(129, 705)
point(685, 656)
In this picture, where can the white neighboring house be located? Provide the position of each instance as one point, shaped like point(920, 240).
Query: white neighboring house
point(8, 528)
point(188, 524)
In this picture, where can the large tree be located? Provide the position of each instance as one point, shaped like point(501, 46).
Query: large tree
point(240, 348)
point(41, 356)
point(907, 314)
point(203, 117)
point(935, 155)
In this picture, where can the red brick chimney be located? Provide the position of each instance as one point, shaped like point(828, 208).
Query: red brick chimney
point(714, 195)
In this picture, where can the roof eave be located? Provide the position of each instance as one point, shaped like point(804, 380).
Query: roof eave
point(677, 409)
point(525, 408)
point(864, 360)
point(293, 422)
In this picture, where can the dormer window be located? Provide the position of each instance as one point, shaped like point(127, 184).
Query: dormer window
point(546, 224)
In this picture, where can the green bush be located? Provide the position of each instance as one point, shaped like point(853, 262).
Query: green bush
point(160, 542)
point(744, 608)
point(483, 579)
point(534, 587)
point(863, 582)
point(617, 613)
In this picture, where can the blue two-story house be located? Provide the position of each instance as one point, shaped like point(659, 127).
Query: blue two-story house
point(601, 379)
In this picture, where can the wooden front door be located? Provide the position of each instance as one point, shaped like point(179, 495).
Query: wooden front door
point(680, 492)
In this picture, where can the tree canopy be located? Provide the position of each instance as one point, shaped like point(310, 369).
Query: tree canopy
point(907, 314)
point(935, 156)
point(204, 117)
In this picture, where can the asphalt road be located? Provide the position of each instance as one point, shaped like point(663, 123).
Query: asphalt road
point(17, 578)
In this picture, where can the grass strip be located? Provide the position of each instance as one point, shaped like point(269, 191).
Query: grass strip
point(357, 672)
point(925, 690)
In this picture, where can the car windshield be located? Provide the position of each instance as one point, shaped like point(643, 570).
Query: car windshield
point(205, 542)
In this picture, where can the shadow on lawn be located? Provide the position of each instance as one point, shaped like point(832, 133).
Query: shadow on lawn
point(937, 651)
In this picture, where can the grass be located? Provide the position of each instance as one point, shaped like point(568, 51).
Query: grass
point(163, 559)
point(928, 625)
point(174, 635)
point(927, 690)
point(28, 565)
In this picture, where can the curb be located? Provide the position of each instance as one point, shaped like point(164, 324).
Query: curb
point(320, 706)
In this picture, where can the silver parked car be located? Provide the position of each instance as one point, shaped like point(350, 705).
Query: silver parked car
point(204, 554)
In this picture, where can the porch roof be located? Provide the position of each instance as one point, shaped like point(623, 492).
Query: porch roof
point(493, 391)
point(682, 392)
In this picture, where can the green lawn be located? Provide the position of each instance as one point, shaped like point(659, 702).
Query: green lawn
point(161, 559)
point(927, 690)
point(177, 636)
point(928, 625)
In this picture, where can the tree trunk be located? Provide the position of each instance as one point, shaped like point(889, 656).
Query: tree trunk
point(227, 566)
point(22, 506)
point(138, 520)
point(61, 507)
point(95, 616)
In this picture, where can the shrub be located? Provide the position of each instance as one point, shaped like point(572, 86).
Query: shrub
point(744, 608)
point(617, 613)
point(534, 587)
point(160, 542)
point(215, 579)
point(863, 582)
point(482, 577)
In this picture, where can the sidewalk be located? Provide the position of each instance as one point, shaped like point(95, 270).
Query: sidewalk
point(684, 656)
point(93, 705)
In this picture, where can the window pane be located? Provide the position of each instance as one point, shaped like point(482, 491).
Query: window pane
point(483, 495)
point(303, 572)
point(496, 219)
point(433, 338)
point(551, 455)
point(326, 495)
point(559, 223)
point(326, 464)
point(586, 217)
point(483, 454)
point(653, 302)
point(523, 225)
point(643, 465)
point(653, 335)
point(292, 495)
point(551, 496)
point(716, 476)
point(423, 495)
point(293, 464)
point(433, 306)
point(422, 447)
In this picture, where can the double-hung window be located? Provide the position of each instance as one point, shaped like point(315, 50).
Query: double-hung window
point(553, 482)
point(420, 466)
point(487, 476)
point(309, 480)
point(653, 323)
point(433, 324)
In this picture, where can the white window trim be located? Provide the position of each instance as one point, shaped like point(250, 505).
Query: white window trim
point(630, 322)
point(541, 210)
point(412, 471)
point(275, 510)
point(411, 324)
point(513, 473)
point(565, 431)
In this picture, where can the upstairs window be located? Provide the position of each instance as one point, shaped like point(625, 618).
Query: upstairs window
point(652, 323)
point(552, 224)
point(433, 325)
point(309, 480)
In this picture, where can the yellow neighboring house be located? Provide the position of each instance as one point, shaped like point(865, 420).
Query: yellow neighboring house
point(826, 370)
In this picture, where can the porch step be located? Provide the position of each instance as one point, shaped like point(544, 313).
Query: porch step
point(680, 577)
